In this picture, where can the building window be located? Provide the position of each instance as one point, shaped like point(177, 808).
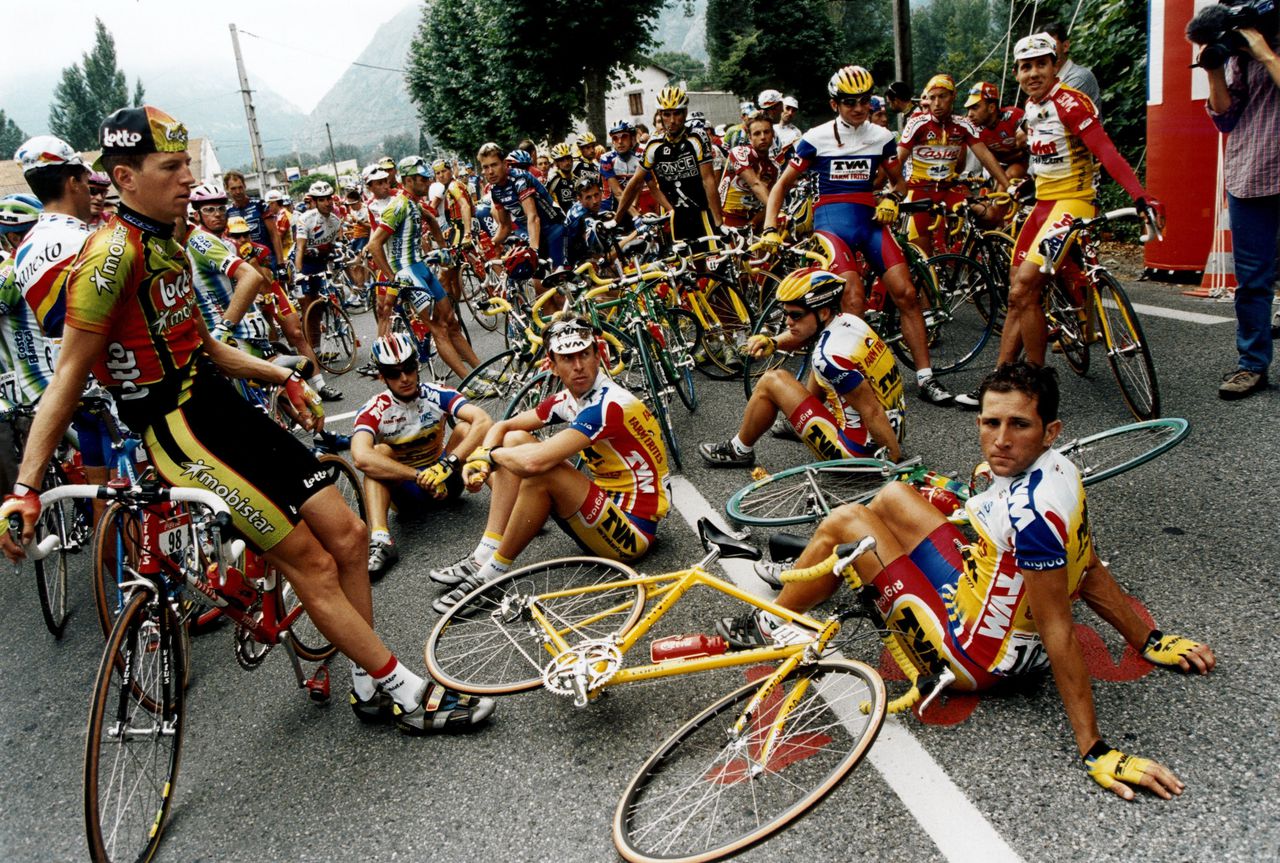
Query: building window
point(635, 101)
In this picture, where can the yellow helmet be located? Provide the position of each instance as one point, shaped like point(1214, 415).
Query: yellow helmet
point(673, 99)
point(561, 151)
point(850, 81)
point(587, 138)
point(811, 287)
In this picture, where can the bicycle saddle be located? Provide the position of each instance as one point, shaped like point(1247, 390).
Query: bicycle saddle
point(786, 546)
point(730, 548)
point(556, 278)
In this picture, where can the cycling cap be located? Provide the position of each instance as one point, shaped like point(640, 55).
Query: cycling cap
point(746, 109)
point(1035, 45)
point(375, 172)
point(46, 151)
point(943, 80)
point(898, 90)
point(413, 166)
point(138, 131)
point(386, 163)
point(18, 213)
point(673, 99)
point(622, 126)
point(207, 192)
point(768, 98)
point(561, 151)
point(274, 195)
point(237, 225)
point(811, 287)
point(850, 81)
point(877, 104)
point(392, 350)
point(320, 189)
point(569, 337)
point(697, 120)
point(982, 90)
point(790, 102)
point(439, 165)
point(97, 178)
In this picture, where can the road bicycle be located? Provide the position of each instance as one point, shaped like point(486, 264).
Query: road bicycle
point(328, 329)
point(1085, 304)
point(809, 493)
point(742, 769)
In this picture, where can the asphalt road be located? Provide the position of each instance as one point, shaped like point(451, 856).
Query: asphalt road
point(267, 775)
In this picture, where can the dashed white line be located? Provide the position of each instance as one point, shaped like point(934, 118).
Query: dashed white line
point(960, 832)
point(1175, 314)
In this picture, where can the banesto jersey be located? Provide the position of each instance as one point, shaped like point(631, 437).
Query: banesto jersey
point(1035, 521)
point(626, 458)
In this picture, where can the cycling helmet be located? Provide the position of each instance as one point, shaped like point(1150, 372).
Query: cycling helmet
point(587, 138)
point(622, 126)
point(697, 120)
point(47, 151)
point(877, 104)
point(386, 163)
point(850, 81)
point(275, 195)
point(320, 189)
point(521, 263)
point(207, 193)
point(393, 350)
point(439, 165)
point(18, 213)
point(97, 178)
point(374, 172)
point(1035, 45)
point(519, 158)
point(414, 166)
point(561, 151)
point(769, 98)
point(237, 225)
point(673, 99)
point(811, 287)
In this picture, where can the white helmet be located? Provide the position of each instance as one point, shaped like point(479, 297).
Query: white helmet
point(275, 195)
point(393, 350)
point(47, 151)
point(320, 189)
point(206, 193)
point(768, 98)
point(1035, 45)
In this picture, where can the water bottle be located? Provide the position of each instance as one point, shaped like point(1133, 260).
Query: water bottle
point(686, 647)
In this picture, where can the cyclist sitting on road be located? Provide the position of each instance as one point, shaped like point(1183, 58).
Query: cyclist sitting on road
point(612, 510)
point(999, 607)
point(131, 317)
point(396, 248)
point(847, 154)
point(400, 445)
point(1064, 135)
point(854, 372)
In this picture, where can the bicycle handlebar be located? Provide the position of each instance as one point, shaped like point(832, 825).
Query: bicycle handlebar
point(1051, 259)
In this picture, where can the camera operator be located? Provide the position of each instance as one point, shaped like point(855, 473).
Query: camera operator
point(1244, 102)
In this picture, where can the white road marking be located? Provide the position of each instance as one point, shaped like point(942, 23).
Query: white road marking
point(1175, 314)
point(960, 832)
point(336, 417)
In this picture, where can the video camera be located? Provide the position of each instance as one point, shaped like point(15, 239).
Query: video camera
point(1218, 28)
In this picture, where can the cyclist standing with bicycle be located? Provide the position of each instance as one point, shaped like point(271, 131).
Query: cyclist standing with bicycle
point(1066, 140)
point(132, 319)
point(998, 608)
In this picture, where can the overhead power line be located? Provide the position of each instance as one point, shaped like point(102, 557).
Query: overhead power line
point(321, 54)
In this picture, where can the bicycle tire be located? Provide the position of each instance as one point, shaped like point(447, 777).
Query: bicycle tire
point(727, 326)
point(788, 496)
point(703, 795)
point(51, 572)
point(963, 312)
point(470, 650)
point(308, 642)
point(1112, 452)
point(1128, 352)
point(1070, 320)
point(683, 336)
point(328, 329)
point(994, 251)
point(531, 394)
point(889, 324)
point(478, 301)
point(771, 323)
point(491, 385)
point(346, 480)
point(658, 399)
point(135, 723)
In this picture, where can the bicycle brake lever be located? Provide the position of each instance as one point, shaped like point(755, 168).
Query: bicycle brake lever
point(934, 685)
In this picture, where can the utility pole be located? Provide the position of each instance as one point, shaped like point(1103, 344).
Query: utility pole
point(902, 41)
point(255, 139)
point(332, 158)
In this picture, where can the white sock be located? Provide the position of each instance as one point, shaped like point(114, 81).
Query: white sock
point(362, 683)
point(317, 382)
point(923, 375)
point(739, 447)
point(496, 566)
point(401, 684)
point(488, 545)
point(381, 536)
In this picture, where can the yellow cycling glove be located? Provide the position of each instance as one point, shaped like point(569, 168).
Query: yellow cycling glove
point(887, 210)
point(760, 342)
point(1106, 766)
point(436, 476)
point(479, 462)
point(1162, 649)
point(770, 241)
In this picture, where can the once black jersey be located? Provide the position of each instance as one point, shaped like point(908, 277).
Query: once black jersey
point(677, 167)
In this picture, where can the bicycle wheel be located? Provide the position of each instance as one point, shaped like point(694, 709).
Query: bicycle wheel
point(1106, 454)
point(113, 542)
point(995, 252)
point(491, 385)
point(346, 480)
point(307, 640)
point(772, 323)
point(683, 334)
point(530, 395)
point(928, 298)
point(487, 644)
point(659, 398)
point(51, 572)
point(710, 791)
point(1127, 348)
point(1067, 325)
point(804, 494)
point(329, 331)
point(728, 324)
point(963, 314)
point(135, 731)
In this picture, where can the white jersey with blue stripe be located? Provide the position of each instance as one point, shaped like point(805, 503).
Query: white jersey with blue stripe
point(845, 157)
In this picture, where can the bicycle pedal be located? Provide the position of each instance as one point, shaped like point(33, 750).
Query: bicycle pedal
point(318, 685)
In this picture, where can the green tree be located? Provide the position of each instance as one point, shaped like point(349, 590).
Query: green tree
point(399, 146)
point(88, 91)
point(11, 137)
point(963, 38)
point(139, 94)
point(683, 68)
point(866, 36)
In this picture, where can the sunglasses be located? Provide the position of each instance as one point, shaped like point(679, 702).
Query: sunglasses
point(793, 315)
point(854, 100)
point(214, 208)
point(408, 367)
point(97, 191)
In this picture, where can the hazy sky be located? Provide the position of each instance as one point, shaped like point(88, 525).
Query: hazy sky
point(152, 33)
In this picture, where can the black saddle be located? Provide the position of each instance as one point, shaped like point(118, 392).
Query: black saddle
point(730, 548)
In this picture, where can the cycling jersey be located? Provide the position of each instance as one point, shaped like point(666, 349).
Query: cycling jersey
point(284, 230)
point(785, 134)
point(582, 168)
point(255, 213)
point(937, 148)
point(677, 166)
point(578, 239)
point(40, 266)
point(1060, 161)
point(1002, 138)
point(520, 185)
point(213, 265)
point(560, 187)
point(26, 355)
point(626, 457)
point(848, 352)
point(416, 430)
point(454, 195)
point(736, 197)
point(1035, 521)
point(846, 159)
point(356, 223)
point(402, 217)
point(621, 167)
point(320, 232)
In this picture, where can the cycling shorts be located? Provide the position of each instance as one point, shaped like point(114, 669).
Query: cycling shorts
point(274, 296)
point(551, 244)
point(826, 436)
point(850, 228)
point(603, 528)
point(419, 285)
point(357, 244)
point(689, 224)
point(264, 483)
point(919, 224)
point(311, 285)
point(407, 496)
point(912, 595)
point(1045, 216)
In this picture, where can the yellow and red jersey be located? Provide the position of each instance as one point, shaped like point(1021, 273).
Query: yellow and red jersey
point(938, 148)
point(1061, 162)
